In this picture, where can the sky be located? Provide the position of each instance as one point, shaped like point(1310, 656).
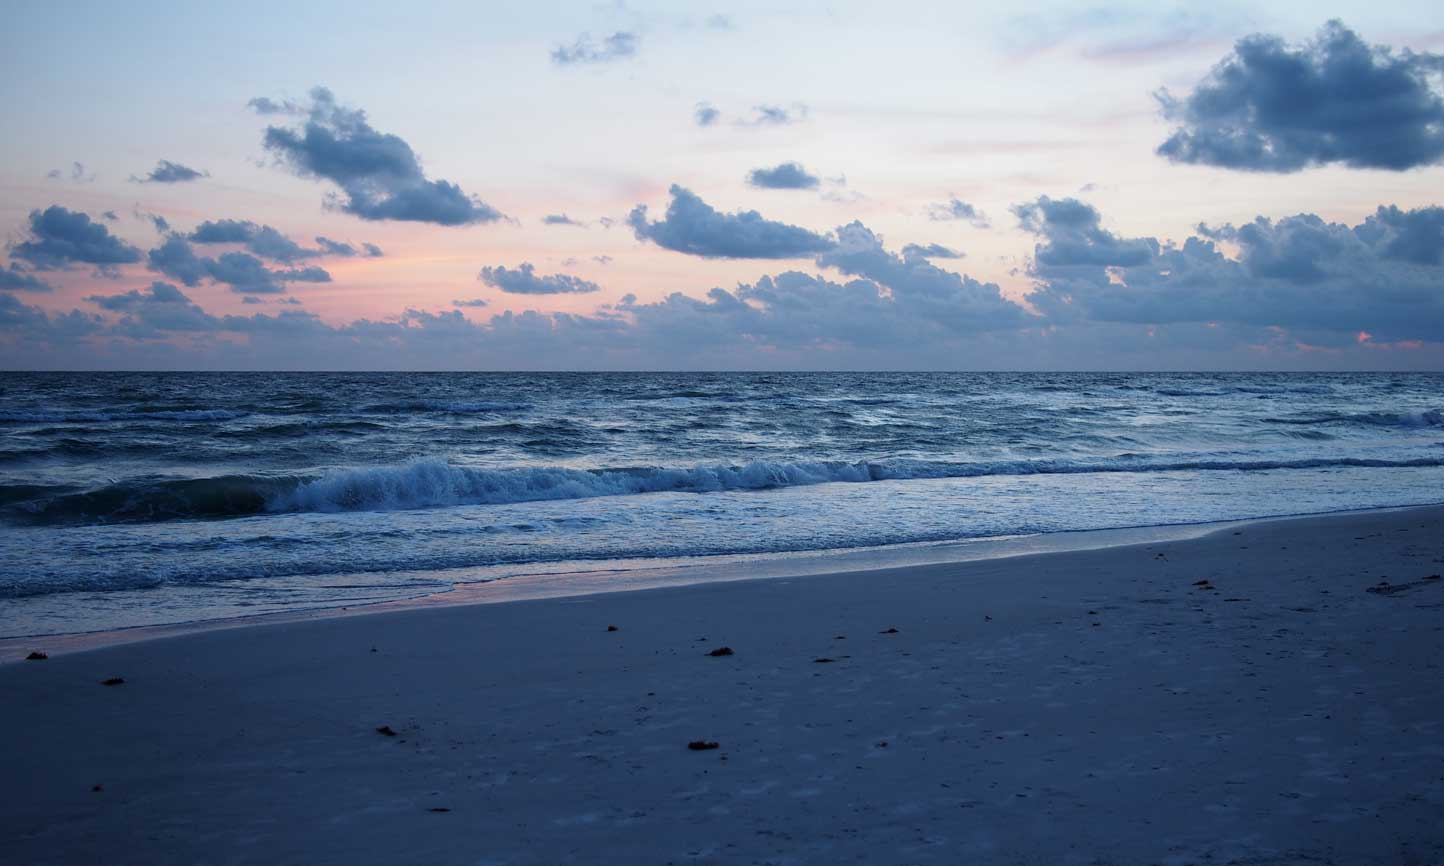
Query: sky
point(620, 186)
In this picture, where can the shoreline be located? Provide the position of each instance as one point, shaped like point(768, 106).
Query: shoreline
point(1264, 694)
point(537, 585)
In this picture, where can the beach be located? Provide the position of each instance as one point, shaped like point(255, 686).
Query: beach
point(1267, 693)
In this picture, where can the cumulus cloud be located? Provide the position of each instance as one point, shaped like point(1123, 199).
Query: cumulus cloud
point(17, 279)
point(705, 115)
point(1382, 276)
point(60, 238)
point(924, 290)
point(1075, 236)
point(618, 46)
point(378, 174)
point(166, 171)
point(957, 209)
point(524, 280)
point(694, 227)
point(160, 308)
point(261, 240)
point(1270, 106)
point(929, 251)
point(241, 272)
point(788, 175)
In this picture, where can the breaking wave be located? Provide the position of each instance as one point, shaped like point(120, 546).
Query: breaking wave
point(434, 483)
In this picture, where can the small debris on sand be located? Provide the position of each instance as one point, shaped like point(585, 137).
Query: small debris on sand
point(112, 681)
point(1203, 582)
point(721, 651)
point(822, 661)
point(702, 745)
point(888, 631)
point(439, 809)
point(611, 628)
point(36, 656)
point(385, 731)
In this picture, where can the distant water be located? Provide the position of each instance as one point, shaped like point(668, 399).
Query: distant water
point(138, 498)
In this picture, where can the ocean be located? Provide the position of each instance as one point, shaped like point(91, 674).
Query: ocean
point(136, 498)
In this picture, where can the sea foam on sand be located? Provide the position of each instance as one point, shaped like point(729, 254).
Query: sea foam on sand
point(1265, 694)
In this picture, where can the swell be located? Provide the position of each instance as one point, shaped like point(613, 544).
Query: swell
point(434, 483)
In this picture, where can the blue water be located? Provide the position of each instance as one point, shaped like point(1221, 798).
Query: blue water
point(140, 498)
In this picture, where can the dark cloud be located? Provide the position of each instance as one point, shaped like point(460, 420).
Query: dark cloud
point(1074, 236)
point(788, 175)
point(17, 279)
point(1382, 276)
point(372, 251)
point(1274, 107)
point(957, 209)
point(242, 272)
point(705, 115)
point(692, 226)
point(263, 241)
point(560, 219)
point(160, 308)
point(110, 216)
point(525, 281)
point(60, 238)
point(930, 251)
point(469, 302)
point(618, 46)
point(379, 176)
point(166, 171)
point(921, 289)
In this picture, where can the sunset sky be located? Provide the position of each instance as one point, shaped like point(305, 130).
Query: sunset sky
point(746, 186)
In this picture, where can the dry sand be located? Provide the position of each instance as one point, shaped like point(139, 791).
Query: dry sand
point(1091, 707)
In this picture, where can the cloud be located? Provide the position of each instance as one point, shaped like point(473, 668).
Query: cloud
point(618, 46)
point(1074, 236)
point(560, 219)
point(60, 238)
point(1273, 107)
point(242, 272)
point(469, 302)
point(930, 251)
point(705, 115)
point(261, 240)
point(158, 222)
point(692, 226)
point(17, 279)
point(346, 250)
point(166, 171)
point(788, 175)
point(957, 209)
point(160, 308)
point(602, 259)
point(925, 291)
point(776, 115)
point(379, 176)
point(76, 174)
point(1382, 276)
point(524, 281)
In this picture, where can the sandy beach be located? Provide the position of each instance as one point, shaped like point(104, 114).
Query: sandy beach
point(1265, 694)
